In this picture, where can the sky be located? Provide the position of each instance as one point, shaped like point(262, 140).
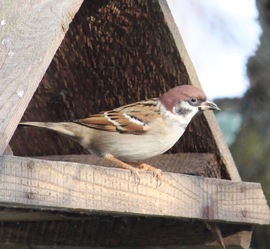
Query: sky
point(220, 36)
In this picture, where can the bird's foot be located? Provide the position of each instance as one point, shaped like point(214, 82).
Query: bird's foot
point(135, 173)
point(142, 166)
point(146, 167)
point(156, 172)
point(124, 165)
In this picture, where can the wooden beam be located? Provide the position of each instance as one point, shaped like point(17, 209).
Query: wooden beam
point(21, 225)
point(222, 147)
point(69, 186)
point(29, 39)
point(109, 231)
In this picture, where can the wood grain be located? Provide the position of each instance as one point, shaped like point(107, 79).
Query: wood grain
point(72, 186)
point(29, 39)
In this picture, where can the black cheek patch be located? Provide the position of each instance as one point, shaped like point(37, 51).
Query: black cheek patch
point(182, 111)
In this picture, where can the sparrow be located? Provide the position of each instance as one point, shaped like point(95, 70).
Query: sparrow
point(132, 133)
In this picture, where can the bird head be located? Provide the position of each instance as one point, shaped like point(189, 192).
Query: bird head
point(186, 101)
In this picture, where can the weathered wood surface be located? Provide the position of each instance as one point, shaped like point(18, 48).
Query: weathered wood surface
point(29, 38)
point(72, 186)
point(224, 153)
point(106, 231)
point(204, 164)
point(14, 221)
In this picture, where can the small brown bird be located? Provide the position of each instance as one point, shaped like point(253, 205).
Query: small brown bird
point(129, 134)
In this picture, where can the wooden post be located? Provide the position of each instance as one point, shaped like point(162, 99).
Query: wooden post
point(29, 38)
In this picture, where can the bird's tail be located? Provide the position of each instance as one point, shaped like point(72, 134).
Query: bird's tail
point(69, 129)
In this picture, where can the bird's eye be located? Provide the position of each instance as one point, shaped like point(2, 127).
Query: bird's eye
point(193, 101)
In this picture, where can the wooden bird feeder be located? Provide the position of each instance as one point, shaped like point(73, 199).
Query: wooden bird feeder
point(55, 68)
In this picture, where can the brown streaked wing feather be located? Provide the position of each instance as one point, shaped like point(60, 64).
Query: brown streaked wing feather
point(143, 111)
point(97, 121)
point(120, 119)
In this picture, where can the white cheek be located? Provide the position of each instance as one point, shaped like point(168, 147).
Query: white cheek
point(187, 114)
point(178, 121)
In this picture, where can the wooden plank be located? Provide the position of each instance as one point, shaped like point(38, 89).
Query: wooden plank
point(218, 137)
point(16, 246)
point(12, 226)
point(201, 164)
point(30, 35)
point(121, 232)
point(71, 186)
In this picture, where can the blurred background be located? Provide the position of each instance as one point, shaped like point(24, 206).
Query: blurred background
point(229, 45)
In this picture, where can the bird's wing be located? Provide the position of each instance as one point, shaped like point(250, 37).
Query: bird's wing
point(132, 119)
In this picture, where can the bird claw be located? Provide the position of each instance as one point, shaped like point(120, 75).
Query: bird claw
point(136, 175)
point(124, 165)
point(142, 166)
point(157, 174)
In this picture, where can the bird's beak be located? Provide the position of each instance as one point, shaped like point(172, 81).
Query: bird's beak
point(208, 105)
